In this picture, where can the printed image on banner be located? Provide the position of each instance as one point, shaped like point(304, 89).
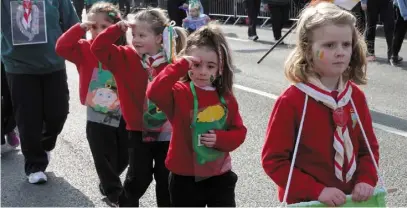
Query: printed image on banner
point(28, 22)
point(102, 99)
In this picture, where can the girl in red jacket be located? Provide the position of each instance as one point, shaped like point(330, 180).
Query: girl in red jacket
point(133, 67)
point(205, 119)
point(105, 128)
point(333, 158)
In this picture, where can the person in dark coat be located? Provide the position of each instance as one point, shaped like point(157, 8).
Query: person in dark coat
point(175, 12)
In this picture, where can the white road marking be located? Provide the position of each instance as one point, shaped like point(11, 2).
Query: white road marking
point(274, 97)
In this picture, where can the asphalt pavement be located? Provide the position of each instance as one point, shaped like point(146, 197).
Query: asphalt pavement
point(73, 180)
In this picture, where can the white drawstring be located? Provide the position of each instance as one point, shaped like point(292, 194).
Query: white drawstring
point(284, 203)
point(381, 182)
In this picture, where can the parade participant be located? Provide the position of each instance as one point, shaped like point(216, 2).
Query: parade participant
point(333, 159)
point(153, 47)
point(105, 127)
point(9, 137)
point(205, 118)
point(36, 75)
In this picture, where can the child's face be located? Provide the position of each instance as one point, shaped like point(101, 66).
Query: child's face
point(101, 23)
point(194, 12)
point(144, 40)
point(331, 49)
point(204, 74)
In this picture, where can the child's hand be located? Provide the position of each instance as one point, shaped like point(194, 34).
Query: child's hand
point(209, 139)
point(124, 25)
point(185, 5)
point(332, 197)
point(192, 60)
point(362, 192)
point(87, 25)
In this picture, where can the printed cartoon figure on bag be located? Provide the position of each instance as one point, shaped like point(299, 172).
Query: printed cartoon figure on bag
point(102, 97)
point(28, 22)
point(354, 118)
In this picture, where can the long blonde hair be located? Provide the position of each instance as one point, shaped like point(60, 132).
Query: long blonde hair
point(298, 66)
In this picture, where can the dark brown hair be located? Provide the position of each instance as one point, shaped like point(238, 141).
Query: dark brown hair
point(112, 15)
point(211, 37)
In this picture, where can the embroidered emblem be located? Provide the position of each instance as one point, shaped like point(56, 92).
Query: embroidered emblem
point(354, 118)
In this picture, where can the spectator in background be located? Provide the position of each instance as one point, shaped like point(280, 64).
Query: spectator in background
point(175, 12)
point(79, 5)
point(253, 9)
point(124, 6)
point(360, 17)
point(373, 8)
point(279, 10)
point(400, 30)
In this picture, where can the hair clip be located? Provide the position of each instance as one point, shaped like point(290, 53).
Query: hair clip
point(114, 15)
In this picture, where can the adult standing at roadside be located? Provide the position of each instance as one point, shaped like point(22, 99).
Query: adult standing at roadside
point(400, 30)
point(372, 9)
point(253, 9)
point(175, 12)
point(36, 75)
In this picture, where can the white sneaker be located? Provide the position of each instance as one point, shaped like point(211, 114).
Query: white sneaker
point(37, 178)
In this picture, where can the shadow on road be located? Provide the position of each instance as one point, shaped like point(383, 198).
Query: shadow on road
point(17, 192)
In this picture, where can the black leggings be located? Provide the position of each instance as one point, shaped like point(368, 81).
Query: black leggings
point(216, 191)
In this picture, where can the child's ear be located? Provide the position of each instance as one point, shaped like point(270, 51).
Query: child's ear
point(159, 39)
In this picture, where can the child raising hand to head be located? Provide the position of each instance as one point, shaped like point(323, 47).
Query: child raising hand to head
point(333, 159)
point(105, 128)
point(205, 119)
point(134, 67)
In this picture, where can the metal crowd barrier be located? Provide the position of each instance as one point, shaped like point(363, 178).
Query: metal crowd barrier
point(236, 10)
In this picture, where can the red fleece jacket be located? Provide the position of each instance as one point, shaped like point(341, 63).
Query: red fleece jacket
point(73, 48)
point(314, 166)
point(175, 99)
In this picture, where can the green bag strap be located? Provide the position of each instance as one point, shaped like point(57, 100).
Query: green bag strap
point(191, 84)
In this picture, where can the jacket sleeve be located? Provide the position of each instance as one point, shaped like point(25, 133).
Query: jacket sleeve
point(68, 45)
point(68, 16)
point(106, 51)
point(230, 139)
point(278, 148)
point(160, 90)
point(366, 171)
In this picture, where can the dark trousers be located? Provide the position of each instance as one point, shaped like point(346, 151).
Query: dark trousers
point(399, 32)
point(279, 16)
point(41, 105)
point(109, 149)
point(253, 9)
point(360, 17)
point(146, 159)
point(386, 11)
point(79, 5)
point(217, 191)
point(8, 123)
